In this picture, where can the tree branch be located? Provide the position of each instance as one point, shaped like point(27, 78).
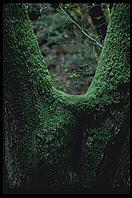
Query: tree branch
point(93, 40)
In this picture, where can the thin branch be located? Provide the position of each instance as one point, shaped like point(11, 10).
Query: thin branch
point(100, 25)
point(93, 40)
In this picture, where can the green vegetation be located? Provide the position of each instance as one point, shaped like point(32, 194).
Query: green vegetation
point(55, 138)
point(70, 56)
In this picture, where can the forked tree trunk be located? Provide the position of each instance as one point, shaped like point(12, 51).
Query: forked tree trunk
point(54, 138)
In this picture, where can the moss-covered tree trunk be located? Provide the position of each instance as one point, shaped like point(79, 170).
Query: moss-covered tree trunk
point(57, 139)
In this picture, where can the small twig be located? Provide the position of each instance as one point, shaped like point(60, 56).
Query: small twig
point(99, 25)
point(93, 40)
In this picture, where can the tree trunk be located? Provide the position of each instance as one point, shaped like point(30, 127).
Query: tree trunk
point(57, 139)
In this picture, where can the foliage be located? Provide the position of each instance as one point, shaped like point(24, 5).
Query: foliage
point(70, 57)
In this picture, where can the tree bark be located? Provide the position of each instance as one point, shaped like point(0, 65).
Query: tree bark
point(57, 139)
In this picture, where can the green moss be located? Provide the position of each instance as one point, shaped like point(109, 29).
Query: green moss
point(113, 68)
point(40, 120)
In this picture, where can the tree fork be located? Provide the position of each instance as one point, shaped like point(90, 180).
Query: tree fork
point(40, 120)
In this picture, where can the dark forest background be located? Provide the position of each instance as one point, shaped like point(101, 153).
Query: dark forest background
point(70, 56)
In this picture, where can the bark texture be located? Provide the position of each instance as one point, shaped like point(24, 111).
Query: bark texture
point(53, 138)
